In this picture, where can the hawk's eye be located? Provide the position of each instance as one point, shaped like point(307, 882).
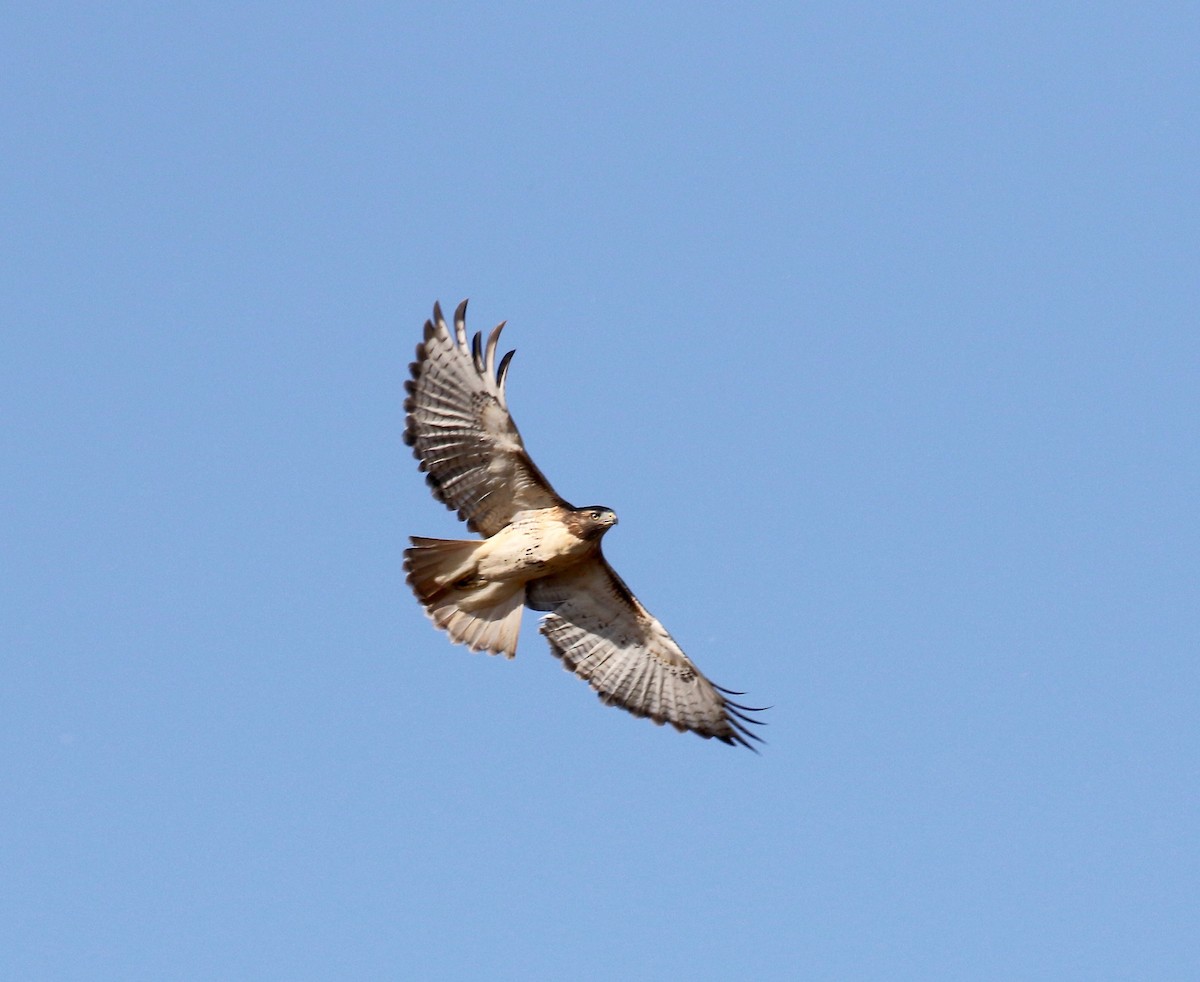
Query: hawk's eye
point(596, 515)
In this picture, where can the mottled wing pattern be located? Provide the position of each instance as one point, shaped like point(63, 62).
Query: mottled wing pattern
point(460, 430)
point(604, 635)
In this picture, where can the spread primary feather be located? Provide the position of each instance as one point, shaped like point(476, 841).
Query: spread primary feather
point(537, 550)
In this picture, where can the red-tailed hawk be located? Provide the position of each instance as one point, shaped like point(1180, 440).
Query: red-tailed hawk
point(537, 551)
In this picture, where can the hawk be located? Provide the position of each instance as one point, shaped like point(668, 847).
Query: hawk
point(537, 550)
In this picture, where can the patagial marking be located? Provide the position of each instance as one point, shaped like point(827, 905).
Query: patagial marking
point(537, 550)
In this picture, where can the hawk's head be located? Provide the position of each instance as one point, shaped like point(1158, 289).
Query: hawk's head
point(591, 522)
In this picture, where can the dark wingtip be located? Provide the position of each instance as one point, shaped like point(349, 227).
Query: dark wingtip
point(736, 719)
point(729, 702)
point(502, 371)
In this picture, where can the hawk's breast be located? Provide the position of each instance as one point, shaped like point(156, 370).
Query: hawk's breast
point(535, 544)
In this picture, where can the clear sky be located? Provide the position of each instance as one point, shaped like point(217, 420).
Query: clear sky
point(877, 324)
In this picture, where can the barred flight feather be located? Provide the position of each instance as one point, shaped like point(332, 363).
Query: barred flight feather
point(475, 462)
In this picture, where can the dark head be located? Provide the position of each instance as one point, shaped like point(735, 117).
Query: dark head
point(591, 522)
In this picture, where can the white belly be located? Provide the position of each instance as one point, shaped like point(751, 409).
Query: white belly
point(534, 545)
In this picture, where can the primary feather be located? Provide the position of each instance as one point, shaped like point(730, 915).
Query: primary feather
point(537, 549)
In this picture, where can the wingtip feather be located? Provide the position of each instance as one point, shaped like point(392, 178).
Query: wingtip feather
point(460, 324)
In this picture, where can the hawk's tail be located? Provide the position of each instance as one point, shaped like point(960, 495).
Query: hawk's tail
point(482, 614)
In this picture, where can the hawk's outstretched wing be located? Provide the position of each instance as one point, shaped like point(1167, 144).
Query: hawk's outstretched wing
point(604, 635)
point(461, 432)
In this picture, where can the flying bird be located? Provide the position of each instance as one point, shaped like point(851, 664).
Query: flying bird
point(537, 550)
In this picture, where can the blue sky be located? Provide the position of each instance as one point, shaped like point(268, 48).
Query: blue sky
point(876, 324)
